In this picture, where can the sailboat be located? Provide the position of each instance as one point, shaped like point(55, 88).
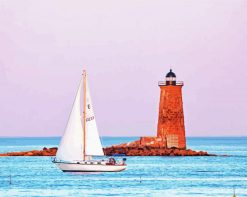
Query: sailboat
point(81, 140)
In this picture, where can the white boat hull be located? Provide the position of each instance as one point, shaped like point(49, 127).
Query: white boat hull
point(81, 167)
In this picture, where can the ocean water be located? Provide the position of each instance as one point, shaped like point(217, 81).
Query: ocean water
point(145, 176)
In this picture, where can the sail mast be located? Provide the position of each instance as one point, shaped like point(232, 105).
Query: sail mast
point(84, 114)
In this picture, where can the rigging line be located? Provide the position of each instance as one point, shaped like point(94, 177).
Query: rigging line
point(102, 145)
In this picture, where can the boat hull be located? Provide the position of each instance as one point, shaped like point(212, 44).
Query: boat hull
point(79, 167)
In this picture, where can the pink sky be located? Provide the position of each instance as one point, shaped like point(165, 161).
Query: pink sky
point(126, 47)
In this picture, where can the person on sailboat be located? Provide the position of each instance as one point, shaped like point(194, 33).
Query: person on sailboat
point(123, 161)
point(112, 161)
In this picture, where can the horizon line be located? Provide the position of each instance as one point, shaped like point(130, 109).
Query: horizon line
point(120, 136)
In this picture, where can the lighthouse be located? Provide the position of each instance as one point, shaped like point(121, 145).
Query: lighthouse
point(171, 116)
point(170, 129)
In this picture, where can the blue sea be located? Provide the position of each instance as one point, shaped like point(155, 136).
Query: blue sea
point(145, 176)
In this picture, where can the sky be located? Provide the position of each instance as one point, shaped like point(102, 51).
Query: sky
point(126, 48)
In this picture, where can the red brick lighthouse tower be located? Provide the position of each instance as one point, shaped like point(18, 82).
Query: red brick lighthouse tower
point(171, 116)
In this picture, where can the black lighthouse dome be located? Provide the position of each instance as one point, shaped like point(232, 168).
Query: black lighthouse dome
point(171, 78)
point(171, 74)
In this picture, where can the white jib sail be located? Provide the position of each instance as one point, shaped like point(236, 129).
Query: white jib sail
point(93, 143)
point(71, 145)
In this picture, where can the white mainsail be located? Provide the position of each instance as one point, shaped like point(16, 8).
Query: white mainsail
point(93, 143)
point(71, 145)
